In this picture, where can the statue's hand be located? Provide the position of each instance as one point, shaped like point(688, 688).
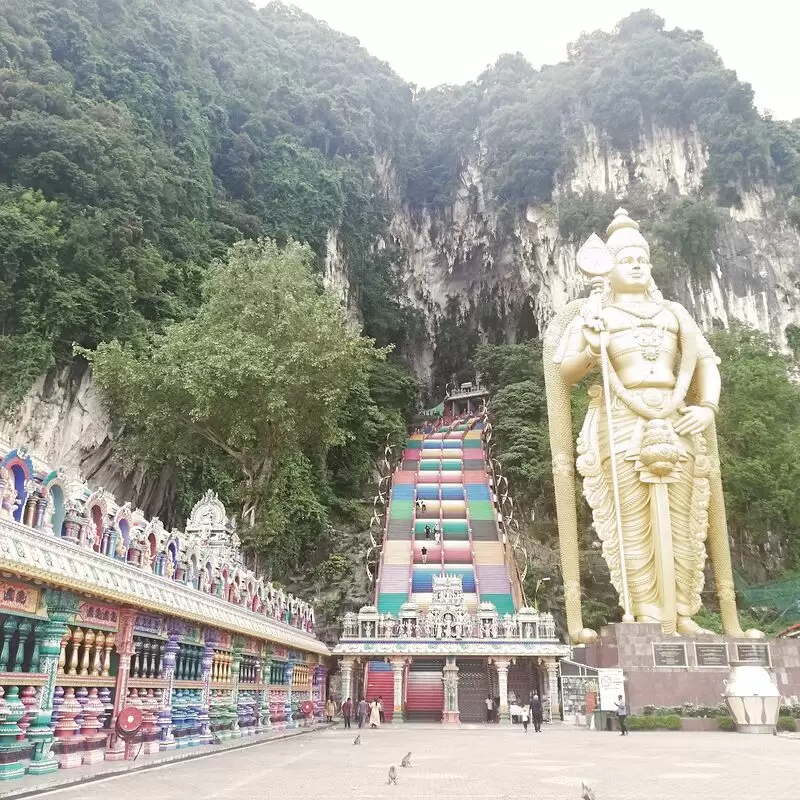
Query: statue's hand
point(695, 420)
point(593, 325)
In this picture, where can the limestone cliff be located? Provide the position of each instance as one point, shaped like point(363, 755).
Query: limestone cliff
point(508, 277)
point(501, 276)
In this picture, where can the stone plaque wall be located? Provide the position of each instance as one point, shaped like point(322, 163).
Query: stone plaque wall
point(670, 673)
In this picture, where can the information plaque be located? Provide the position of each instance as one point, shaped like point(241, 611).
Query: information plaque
point(669, 654)
point(711, 654)
point(754, 653)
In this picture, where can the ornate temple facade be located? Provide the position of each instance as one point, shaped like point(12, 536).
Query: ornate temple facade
point(449, 626)
point(102, 609)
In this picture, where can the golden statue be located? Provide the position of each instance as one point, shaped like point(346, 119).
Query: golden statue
point(658, 503)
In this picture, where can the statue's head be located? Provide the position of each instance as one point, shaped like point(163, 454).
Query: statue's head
point(631, 253)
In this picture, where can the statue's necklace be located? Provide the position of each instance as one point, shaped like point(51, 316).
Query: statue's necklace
point(648, 336)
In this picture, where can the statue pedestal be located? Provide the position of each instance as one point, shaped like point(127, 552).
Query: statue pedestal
point(451, 718)
point(663, 670)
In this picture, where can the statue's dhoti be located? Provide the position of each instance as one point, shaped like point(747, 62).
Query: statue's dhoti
point(663, 493)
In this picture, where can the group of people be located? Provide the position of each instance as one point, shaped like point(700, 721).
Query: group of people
point(437, 533)
point(531, 712)
point(365, 713)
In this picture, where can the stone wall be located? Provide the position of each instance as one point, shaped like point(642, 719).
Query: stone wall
point(630, 647)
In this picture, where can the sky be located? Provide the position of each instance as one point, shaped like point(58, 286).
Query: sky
point(429, 42)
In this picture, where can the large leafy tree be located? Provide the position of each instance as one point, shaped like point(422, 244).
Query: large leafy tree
point(257, 378)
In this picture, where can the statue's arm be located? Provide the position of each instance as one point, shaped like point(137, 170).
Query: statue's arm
point(578, 358)
point(708, 382)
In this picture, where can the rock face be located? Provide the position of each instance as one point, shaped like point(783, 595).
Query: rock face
point(504, 277)
point(509, 276)
point(63, 423)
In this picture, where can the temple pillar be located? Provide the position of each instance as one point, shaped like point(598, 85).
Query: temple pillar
point(289, 677)
point(236, 667)
point(124, 645)
point(204, 711)
point(502, 665)
point(552, 686)
point(451, 714)
point(165, 712)
point(321, 680)
point(398, 667)
point(266, 677)
point(60, 605)
point(347, 679)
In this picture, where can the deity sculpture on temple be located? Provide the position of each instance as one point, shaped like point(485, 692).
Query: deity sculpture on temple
point(647, 450)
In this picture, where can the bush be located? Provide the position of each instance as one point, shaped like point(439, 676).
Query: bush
point(725, 723)
point(650, 722)
point(786, 724)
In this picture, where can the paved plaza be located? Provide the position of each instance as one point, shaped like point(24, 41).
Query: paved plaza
point(477, 762)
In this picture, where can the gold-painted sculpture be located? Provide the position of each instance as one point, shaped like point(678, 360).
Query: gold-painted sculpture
point(658, 503)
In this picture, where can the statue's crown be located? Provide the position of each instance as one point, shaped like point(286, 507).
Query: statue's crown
point(624, 232)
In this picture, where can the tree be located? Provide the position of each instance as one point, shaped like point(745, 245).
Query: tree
point(259, 375)
point(759, 431)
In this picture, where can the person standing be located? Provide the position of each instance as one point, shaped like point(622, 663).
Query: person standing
point(489, 708)
point(374, 715)
point(526, 710)
point(330, 710)
point(380, 710)
point(427, 531)
point(437, 536)
point(424, 552)
point(347, 710)
point(363, 712)
point(622, 715)
point(537, 713)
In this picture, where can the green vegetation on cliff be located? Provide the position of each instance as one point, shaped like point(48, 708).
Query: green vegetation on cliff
point(140, 140)
point(264, 379)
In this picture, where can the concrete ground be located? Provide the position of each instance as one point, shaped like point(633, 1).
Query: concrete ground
point(490, 762)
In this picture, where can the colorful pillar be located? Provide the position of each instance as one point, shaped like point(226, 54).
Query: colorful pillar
point(266, 677)
point(165, 712)
point(61, 605)
point(289, 677)
point(204, 717)
point(236, 666)
point(124, 644)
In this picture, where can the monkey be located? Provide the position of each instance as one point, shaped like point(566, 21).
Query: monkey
point(392, 776)
point(406, 762)
point(357, 740)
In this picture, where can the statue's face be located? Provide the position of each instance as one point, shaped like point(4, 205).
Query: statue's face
point(632, 270)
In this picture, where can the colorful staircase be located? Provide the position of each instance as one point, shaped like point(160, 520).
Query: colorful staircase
point(446, 471)
point(440, 487)
point(380, 683)
point(491, 570)
point(425, 691)
point(394, 578)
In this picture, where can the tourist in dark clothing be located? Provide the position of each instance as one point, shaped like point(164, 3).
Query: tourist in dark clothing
point(380, 710)
point(347, 711)
point(427, 531)
point(537, 713)
point(424, 552)
point(622, 716)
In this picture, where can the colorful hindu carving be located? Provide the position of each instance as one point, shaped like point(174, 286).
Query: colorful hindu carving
point(172, 623)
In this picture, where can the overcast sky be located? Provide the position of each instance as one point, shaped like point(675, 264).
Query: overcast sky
point(429, 42)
